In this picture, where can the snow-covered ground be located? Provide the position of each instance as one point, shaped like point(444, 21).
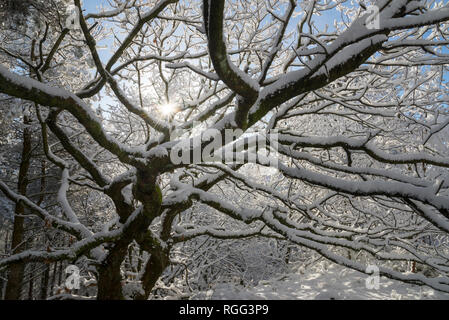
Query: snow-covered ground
point(334, 283)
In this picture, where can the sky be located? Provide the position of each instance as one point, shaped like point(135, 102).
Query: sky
point(104, 51)
point(92, 6)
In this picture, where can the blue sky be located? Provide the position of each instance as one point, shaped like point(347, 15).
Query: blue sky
point(90, 5)
point(93, 6)
point(328, 17)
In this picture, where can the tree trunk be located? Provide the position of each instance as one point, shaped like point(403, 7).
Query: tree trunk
point(110, 279)
point(1, 286)
point(31, 283)
point(44, 283)
point(60, 273)
point(16, 270)
point(153, 270)
point(6, 241)
point(53, 278)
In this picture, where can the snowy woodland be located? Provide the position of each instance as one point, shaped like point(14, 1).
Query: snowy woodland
point(92, 92)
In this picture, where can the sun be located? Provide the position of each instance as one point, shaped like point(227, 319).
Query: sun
point(167, 109)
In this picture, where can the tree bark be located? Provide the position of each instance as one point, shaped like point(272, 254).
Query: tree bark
point(154, 268)
point(44, 283)
point(53, 278)
point(109, 277)
point(16, 270)
point(31, 283)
